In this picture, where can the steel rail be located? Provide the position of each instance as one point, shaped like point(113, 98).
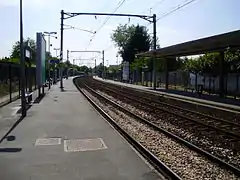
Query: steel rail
point(155, 162)
point(171, 135)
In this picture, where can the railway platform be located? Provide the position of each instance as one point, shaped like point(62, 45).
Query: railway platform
point(63, 137)
point(204, 100)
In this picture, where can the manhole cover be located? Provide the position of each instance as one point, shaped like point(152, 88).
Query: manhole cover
point(77, 145)
point(47, 141)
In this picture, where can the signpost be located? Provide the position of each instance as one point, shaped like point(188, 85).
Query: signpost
point(54, 61)
point(125, 72)
point(41, 62)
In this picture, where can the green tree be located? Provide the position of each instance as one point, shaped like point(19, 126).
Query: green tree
point(192, 65)
point(99, 69)
point(232, 59)
point(85, 69)
point(122, 34)
point(209, 63)
point(131, 40)
point(15, 53)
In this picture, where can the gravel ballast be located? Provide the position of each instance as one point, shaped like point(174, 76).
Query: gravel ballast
point(185, 162)
point(217, 145)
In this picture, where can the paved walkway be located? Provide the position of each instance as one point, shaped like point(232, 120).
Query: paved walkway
point(9, 115)
point(64, 138)
point(207, 100)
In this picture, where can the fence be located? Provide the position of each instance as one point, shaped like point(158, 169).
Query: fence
point(10, 81)
point(211, 84)
point(182, 79)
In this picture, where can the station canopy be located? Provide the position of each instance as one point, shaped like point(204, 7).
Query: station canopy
point(200, 46)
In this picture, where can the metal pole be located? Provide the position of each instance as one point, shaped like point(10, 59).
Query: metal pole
point(10, 82)
point(95, 67)
point(23, 99)
point(154, 50)
point(19, 85)
point(221, 74)
point(103, 64)
point(49, 84)
point(29, 80)
point(67, 55)
point(166, 73)
point(55, 74)
point(67, 60)
point(61, 49)
point(117, 60)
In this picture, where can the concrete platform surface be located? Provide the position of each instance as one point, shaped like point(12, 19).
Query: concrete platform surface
point(9, 115)
point(207, 100)
point(64, 138)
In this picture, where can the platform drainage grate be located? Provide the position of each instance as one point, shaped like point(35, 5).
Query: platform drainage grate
point(77, 145)
point(47, 141)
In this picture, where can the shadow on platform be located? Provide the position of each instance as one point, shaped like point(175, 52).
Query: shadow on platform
point(10, 150)
point(9, 138)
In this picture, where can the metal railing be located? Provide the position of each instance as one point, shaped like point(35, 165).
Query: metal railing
point(10, 81)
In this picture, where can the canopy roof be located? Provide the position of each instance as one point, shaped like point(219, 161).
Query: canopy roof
point(200, 46)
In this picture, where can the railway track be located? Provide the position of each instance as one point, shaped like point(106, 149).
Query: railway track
point(157, 164)
point(227, 127)
point(220, 143)
point(227, 114)
point(186, 143)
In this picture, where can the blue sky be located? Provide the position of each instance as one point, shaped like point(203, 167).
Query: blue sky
point(199, 19)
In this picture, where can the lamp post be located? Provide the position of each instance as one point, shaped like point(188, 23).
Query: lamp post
point(56, 49)
point(23, 99)
point(117, 59)
point(49, 34)
point(55, 74)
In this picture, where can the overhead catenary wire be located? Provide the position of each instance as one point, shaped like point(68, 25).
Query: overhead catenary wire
point(108, 17)
point(154, 5)
point(175, 9)
point(106, 20)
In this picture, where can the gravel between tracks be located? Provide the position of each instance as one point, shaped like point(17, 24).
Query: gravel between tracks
point(185, 162)
point(172, 124)
point(234, 117)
